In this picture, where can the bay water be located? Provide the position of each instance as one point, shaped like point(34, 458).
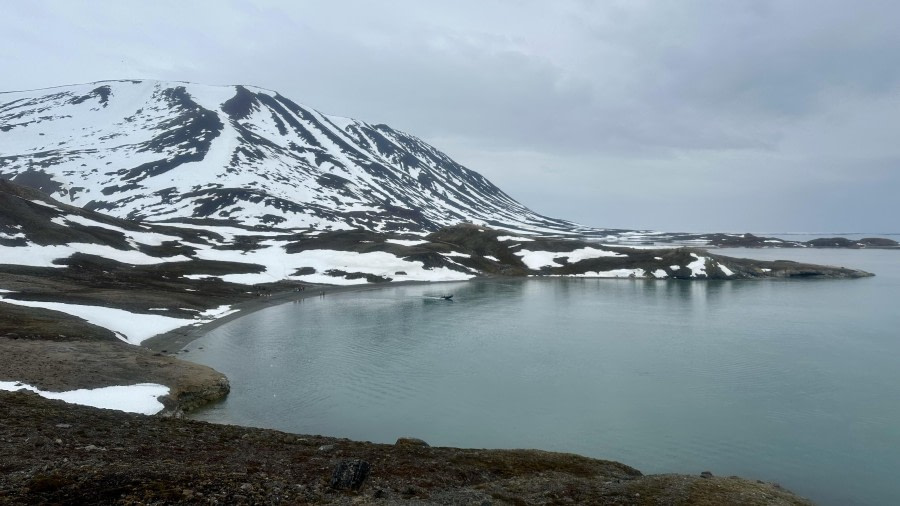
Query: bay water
point(791, 381)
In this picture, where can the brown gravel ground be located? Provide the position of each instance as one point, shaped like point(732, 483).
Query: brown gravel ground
point(56, 453)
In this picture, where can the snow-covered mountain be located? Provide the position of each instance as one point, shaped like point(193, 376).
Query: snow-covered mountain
point(161, 151)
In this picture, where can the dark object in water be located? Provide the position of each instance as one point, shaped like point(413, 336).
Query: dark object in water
point(447, 297)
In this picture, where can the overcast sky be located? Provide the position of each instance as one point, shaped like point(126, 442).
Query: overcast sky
point(753, 115)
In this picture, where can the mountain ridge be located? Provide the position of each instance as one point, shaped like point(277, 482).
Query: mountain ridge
point(154, 150)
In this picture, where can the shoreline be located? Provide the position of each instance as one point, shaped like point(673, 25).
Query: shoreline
point(63, 453)
point(174, 340)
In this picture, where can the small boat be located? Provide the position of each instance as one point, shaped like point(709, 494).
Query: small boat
point(447, 297)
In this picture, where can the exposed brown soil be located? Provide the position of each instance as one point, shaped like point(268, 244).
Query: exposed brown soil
point(54, 453)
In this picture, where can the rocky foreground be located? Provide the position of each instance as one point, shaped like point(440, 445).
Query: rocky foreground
point(56, 453)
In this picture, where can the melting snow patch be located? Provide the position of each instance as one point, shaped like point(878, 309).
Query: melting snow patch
point(644, 246)
point(149, 238)
point(615, 273)
point(141, 398)
point(133, 328)
point(197, 276)
point(379, 263)
point(217, 312)
point(698, 266)
point(513, 238)
point(537, 259)
point(726, 270)
point(588, 253)
point(406, 242)
point(34, 255)
point(38, 202)
point(660, 273)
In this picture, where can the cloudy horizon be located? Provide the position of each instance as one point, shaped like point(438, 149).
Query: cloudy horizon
point(759, 116)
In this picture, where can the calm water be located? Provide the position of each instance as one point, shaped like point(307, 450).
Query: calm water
point(790, 381)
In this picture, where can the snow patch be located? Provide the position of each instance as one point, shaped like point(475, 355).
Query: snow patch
point(588, 253)
point(141, 398)
point(615, 273)
point(33, 255)
point(698, 266)
point(197, 276)
point(405, 242)
point(133, 328)
point(537, 259)
point(148, 238)
point(216, 312)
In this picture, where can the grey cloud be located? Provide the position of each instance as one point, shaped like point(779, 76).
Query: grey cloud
point(580, 109)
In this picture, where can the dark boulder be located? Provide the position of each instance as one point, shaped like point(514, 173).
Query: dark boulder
point(349, 475)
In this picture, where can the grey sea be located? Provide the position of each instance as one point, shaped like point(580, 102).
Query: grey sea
point(796, 382)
